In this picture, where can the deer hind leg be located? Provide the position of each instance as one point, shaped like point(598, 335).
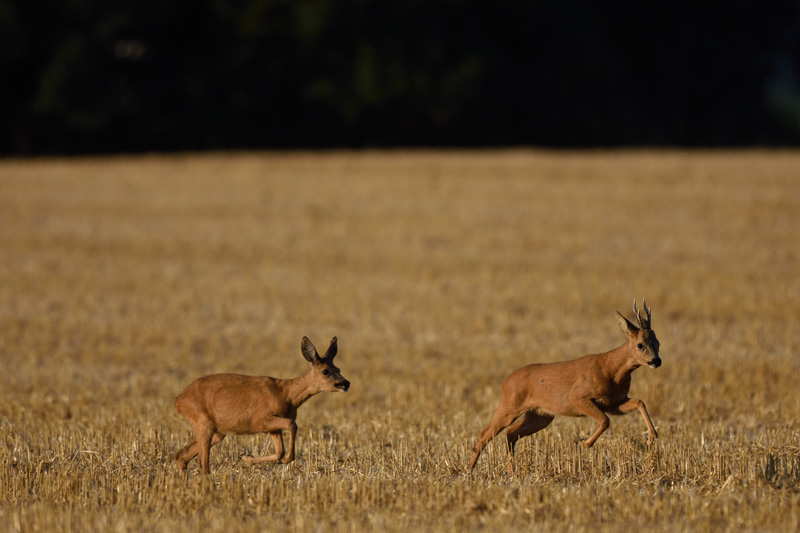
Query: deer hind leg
point(633, 403)
point(186, 454)
point(529, 424)
point(192, 450)
point(274, 426)
point(205, 436)
point(501, 419)
point(589, 408)
point(204, 445)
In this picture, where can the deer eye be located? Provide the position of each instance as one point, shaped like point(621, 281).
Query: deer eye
point(326, 372)
point(640, 346)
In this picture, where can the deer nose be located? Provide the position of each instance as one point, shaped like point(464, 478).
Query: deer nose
point(655, 363)
point(343, 386)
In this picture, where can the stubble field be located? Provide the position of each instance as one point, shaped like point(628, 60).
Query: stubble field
point(123, 279)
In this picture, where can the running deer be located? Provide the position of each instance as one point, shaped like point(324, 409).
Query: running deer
point(594, 385)
point(225, 404)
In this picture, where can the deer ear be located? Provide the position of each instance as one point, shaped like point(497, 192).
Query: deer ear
point(309, 352)
point(626, 326)
point(332, 349)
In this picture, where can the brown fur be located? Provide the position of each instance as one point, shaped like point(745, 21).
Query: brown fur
point(225, 404)
point(593, 385)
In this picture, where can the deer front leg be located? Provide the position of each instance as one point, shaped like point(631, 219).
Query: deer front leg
point(634, 403)
point(274, 427)
point(589, 408)
point(289, 457)
point(277, 441)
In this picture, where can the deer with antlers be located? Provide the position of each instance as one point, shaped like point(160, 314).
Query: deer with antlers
point(224, 404)
point(594, 385)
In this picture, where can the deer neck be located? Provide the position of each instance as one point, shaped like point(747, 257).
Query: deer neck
point(300, 389)
point(618, 363)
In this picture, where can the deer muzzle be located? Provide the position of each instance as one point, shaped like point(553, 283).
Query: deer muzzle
point(655, 362)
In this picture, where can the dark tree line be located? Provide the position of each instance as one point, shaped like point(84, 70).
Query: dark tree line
point(91, 76)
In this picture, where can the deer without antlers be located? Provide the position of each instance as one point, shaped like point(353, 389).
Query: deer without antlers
point(224, 404)
point(594, 385)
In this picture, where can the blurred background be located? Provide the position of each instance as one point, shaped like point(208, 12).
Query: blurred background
point(92, 76)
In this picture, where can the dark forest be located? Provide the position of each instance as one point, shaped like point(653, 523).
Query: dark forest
point(85, 76)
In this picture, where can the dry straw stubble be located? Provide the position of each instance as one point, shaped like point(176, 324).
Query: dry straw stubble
point(123, 279)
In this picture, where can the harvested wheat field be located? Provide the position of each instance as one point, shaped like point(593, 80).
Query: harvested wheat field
point(123, 279)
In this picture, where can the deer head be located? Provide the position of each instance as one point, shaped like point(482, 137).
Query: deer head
point(642, 339)
point(323, 367)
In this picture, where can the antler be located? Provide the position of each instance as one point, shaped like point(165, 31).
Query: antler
point(643, 323)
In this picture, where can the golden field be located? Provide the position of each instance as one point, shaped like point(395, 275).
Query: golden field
point(122, 279)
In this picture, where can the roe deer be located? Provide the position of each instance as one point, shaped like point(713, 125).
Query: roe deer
point(224, 404)
point(592, 385)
